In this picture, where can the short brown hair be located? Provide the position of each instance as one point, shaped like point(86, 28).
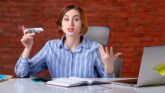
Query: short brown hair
point(82, 17)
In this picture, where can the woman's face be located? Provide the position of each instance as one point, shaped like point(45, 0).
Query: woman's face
point(71, 23)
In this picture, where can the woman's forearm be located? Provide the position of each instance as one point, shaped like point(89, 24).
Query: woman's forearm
point(26, 53)
point(108, 68)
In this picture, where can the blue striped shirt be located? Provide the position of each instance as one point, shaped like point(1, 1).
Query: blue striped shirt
point(85, 61)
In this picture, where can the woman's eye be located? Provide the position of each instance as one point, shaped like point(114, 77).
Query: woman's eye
point(77, 19)
point(66, 19)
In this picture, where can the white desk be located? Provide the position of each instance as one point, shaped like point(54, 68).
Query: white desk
point(27, 86)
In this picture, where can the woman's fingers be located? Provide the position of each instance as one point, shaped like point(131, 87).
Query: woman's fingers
point(111, 51)
point(106, 50)
point(22, 28)
point(27, 37)
point(102, 49)
point(118, 54)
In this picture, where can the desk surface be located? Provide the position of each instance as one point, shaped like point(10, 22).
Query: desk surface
point(27, 86)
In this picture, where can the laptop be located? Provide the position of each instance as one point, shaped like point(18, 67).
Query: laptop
point(148, 76)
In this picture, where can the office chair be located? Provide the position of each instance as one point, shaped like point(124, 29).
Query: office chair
point(101, 35)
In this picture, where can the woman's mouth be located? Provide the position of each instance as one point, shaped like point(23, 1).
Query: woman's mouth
point(70, 29)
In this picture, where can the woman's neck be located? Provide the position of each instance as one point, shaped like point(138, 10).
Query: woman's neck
point(72, 42)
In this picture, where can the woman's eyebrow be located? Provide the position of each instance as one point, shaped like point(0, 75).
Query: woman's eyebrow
point(76, 16)
point(73, 16)
point(66, 15)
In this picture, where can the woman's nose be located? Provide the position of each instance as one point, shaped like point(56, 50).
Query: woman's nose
point(72, 22)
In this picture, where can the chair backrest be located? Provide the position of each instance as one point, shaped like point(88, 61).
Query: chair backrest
point(101, 35)
point(118, 67)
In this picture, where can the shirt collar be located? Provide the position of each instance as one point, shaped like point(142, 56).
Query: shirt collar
point(61, 42)
point(84, 43)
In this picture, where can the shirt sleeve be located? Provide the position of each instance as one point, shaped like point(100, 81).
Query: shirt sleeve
point(27, 67)
point(100, 67)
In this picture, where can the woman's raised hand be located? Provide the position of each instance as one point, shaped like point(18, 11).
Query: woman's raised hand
point(27, 39)
point(108, 58)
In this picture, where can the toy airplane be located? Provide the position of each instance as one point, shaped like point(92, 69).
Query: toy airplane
point(34, 30)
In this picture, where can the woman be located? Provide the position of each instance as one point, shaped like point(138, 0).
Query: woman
point(72, 55)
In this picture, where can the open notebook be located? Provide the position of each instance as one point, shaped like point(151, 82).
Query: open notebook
point(75, 81)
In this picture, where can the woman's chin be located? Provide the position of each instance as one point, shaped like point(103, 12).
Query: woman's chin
point(70, 34)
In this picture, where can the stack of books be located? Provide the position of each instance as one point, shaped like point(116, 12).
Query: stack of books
point(4, 77)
